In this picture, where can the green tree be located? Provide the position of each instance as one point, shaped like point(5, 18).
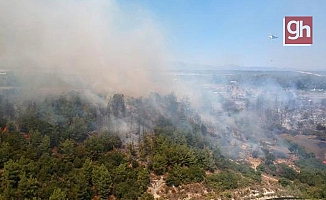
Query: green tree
point(102, 181)
point(58, 194)
point(82, 186)
point(5, 153)
point(35, 138)
point(28, 186)
point(183, 175)
point(223, 181)
point(146, 196)
point(284, 182)
point(143, 179)
point(10, 178)
point(287, 172)
point(67, 148)
point(77, 129)
point(44, 144)
point(180, 155)
point(94, 146)
point(87, 169)
point(159, 164)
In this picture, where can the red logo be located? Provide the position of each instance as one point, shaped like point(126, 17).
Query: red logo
point(297, 31)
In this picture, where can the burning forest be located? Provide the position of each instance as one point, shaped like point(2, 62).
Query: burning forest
point(92, 107)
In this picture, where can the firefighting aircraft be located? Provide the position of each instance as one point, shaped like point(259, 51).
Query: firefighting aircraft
point(272, 37)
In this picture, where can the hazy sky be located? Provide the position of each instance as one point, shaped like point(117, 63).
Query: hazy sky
point(237, 32)
point(142, 34)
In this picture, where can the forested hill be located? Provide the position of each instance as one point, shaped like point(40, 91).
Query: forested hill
point(71, 147)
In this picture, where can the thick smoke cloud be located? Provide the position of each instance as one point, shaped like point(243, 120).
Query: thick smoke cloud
point(101, 47)
point(94, 43)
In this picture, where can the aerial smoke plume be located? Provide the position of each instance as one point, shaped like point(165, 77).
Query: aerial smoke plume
point(94, 43)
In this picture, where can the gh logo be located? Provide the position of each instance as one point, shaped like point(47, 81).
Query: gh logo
point(297, 31)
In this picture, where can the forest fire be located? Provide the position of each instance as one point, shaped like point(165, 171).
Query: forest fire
point(103, 99)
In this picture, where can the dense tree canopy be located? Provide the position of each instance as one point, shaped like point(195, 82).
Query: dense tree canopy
point(71, 148)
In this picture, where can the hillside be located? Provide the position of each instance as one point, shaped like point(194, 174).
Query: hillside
point(71, 148)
